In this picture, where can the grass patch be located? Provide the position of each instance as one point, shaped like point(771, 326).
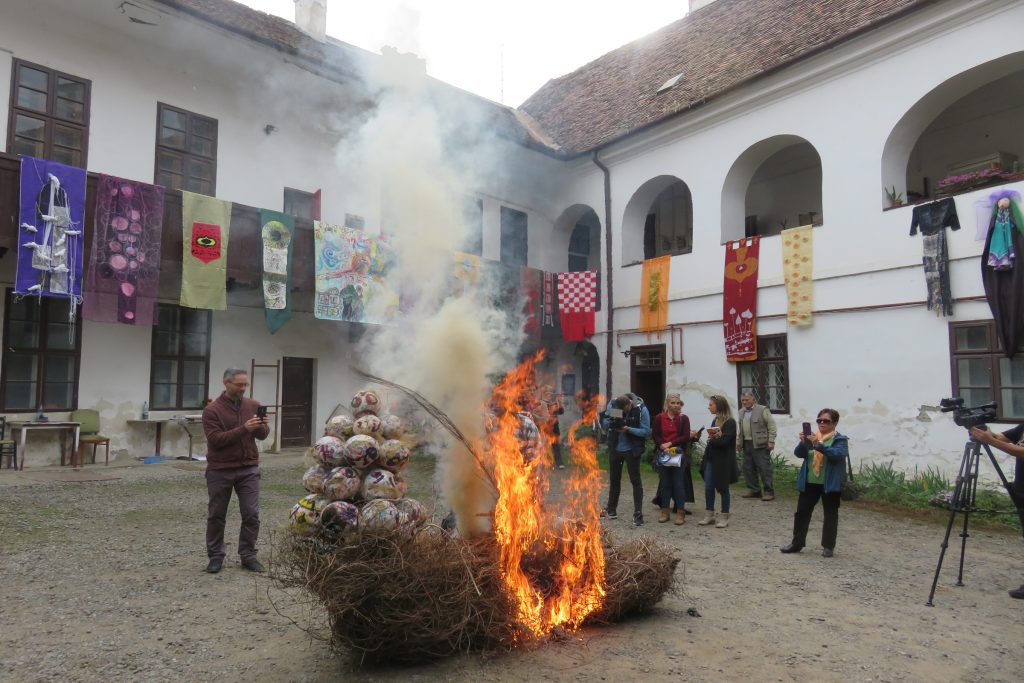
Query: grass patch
point(160, 487)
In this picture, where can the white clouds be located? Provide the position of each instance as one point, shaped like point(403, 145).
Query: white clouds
point(502, 51)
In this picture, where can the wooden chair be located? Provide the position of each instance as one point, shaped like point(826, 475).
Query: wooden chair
point(89, 434)
point(8, 448)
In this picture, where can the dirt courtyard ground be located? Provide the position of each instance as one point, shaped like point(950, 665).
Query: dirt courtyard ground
point(103, 581)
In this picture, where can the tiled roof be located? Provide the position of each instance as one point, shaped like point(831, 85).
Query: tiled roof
point(715, 48)
point(347, 61)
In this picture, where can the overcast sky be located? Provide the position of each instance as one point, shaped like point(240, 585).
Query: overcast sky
point(502, 51)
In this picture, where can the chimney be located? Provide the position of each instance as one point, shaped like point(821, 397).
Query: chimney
point(697, 4)
point(311, 17)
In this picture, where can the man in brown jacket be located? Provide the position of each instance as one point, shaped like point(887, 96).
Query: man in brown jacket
point(233, 463)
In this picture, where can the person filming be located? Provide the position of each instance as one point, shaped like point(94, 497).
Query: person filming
point(1010, 442)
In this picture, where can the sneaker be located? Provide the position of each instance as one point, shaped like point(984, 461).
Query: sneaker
point(1018, 593)
point(216, 564)
point(609, 514)
point(253, 565)
point(638, 519)
point(768, 496)
point(826, 552)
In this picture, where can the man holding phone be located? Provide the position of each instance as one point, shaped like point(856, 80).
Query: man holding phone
point(232, 424)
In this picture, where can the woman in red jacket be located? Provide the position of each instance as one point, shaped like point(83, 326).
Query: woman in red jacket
point(671, 430)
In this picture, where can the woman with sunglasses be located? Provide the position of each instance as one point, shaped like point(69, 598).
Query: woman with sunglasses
point(822, 476)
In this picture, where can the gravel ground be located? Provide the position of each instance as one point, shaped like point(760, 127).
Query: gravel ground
point(103, 581)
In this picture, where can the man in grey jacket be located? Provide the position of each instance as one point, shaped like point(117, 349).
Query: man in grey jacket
point(756, 440)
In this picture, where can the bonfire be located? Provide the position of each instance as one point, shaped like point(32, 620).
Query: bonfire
point(418, 592)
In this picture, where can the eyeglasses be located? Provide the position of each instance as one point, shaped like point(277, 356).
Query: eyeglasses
point(822, 421)
point(243, 385)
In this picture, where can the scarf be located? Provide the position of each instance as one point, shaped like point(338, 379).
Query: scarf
point(819, 457)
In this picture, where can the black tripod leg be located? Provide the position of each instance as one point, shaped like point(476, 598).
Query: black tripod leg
point(954, 508)
point(969, 502)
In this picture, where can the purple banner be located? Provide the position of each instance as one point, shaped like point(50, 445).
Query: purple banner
point(50, 231)
point(124, 270)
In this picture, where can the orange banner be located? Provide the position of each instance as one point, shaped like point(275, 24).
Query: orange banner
point(654, 294)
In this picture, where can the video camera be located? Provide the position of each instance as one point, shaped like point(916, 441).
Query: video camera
point(615, 419)
point(978, 416)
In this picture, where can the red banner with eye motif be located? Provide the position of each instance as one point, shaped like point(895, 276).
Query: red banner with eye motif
point(206, 242)
point(739, 300)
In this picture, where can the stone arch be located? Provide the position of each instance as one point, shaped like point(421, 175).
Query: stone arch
point(658, 220)
point(577, 238)
point(963, 123)
point(774, 184)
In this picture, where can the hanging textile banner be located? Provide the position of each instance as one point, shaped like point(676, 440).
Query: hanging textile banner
point(276, 232)
point(353, 270)
point(465, 273)
point(205, 223)
point(531, 282)
point(577, 299)
point(739, 299)
point(549, 300)
point(654, 294)
point(797, 265)
point(933, 219)
point(51, 238)
point(1002, 272)
point(123, 281)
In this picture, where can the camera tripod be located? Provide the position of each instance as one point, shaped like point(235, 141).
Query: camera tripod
point(963, 502)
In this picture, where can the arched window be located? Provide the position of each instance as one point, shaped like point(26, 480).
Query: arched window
point(775, 184)
point(963, 134)
point(658, 220)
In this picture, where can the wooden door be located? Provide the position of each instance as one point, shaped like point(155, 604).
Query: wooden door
point(296, 402)
point(647, 375)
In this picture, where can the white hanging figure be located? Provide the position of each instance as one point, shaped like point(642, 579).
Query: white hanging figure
point(50, 254)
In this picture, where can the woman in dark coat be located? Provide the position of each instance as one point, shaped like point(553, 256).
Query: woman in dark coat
point(719, 467)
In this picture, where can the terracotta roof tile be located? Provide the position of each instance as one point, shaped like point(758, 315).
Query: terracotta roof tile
point(715, 48)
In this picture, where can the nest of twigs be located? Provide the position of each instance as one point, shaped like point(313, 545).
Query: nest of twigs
point(396, 598)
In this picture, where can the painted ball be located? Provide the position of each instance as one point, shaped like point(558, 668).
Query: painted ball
point(393, 426)
point(369, 425)
point(411, 512)
point(313, 479)
point(378, 515)
point(339, 516)
point(343, 483)
point(402, 485)
point(365, 402)
point(380, 484)
point(306, 513)
point(361, 451)
point(392, 455)
point(339, 426)
point(331, 451)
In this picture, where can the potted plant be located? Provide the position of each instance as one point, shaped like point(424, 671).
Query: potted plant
point(895, 198)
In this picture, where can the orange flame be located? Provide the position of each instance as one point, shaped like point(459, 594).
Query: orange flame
point(552, 564)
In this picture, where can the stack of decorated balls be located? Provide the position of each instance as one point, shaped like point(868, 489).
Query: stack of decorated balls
point(356, 483)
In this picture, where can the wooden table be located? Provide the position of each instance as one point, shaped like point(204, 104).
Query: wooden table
point(182, 420)
point(24, 427)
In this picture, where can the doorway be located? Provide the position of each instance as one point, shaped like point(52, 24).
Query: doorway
point(647, 375)
point(296, 402)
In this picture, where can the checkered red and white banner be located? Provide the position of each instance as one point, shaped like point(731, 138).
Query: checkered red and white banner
point(577, 300)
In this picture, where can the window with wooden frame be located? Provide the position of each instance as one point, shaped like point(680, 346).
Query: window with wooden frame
point(180, 366)
point(982, 373)
point(767, 378)
point(514, 249)
point(302, 204)
point(186, 150)
point(41, 354)
point(49, 114)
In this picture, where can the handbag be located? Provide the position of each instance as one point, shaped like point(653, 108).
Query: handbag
point(851, 489)
point(673, 458)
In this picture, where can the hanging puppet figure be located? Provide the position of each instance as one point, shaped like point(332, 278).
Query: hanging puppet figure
point(1003, 280)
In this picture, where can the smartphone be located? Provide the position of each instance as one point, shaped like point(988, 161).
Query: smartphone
point(807, 428)
point(699, 432)
point(261, 412)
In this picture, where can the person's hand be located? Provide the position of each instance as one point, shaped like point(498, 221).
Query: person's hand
point(982, 435)
point(803, 437)
point(667, 445)
point(623, 429)
point(252, 424)
point(771, 445)
point(694, 435)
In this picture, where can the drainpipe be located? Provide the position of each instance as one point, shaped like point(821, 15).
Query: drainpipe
point(609, 347)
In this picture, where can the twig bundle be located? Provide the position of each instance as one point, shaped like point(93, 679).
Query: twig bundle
point(397, 598)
